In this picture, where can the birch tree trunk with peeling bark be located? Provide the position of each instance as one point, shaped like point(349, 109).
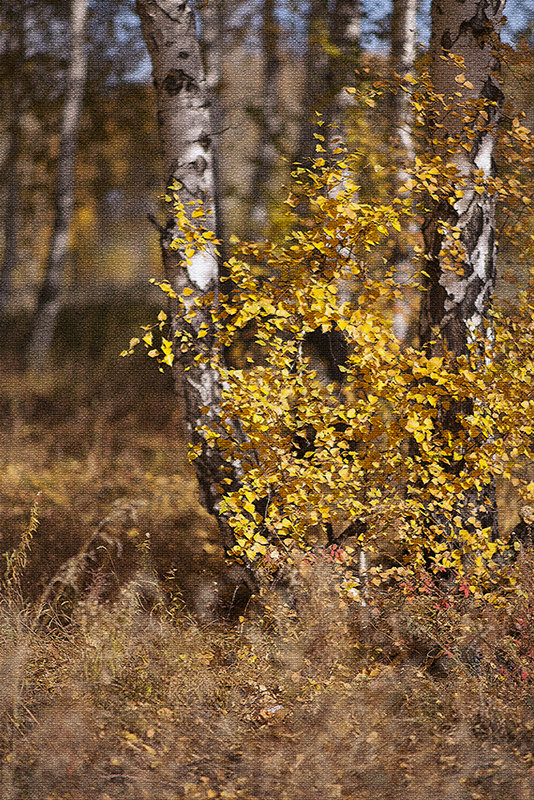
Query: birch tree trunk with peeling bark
point(48, 304)
point(454, 304)
point(460, 265)
point(188, 157)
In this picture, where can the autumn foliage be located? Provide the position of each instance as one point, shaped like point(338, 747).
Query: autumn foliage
point(370, 448)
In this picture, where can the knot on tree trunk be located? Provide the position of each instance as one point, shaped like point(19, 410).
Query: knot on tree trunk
point(176, 81)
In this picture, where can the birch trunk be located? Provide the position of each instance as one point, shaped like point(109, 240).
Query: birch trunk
point(455, 302)
point(333, 55)
point(403, 33)
point(187, 150)
point(48, 304)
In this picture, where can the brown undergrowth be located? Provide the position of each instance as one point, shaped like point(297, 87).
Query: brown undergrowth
point(310, 700)
point(133, 664)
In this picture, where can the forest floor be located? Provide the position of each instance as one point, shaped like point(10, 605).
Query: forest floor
point(155, 675)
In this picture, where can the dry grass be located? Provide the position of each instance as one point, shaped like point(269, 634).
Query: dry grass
point(289, 703)
point(148, 678)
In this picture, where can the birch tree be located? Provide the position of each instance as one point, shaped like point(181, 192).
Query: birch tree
point(332, 54)
point(192, 279)
point(345, 35)
point(459, 231)
point(48, 304)
point(457, 304)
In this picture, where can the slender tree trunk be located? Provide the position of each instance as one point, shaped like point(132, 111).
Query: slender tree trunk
point(315, 82)
point(455, 302)
point(48, 304)
point(270, 120)
point(212, 44)
point(403, 33)
point(345, 36)
point(12, 204)
point(187, 150)
point(14, 58)
point(333, 55)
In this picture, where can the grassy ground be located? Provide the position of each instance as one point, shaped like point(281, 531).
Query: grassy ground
point(150, 673)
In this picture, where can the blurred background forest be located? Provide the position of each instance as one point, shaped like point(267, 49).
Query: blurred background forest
point(269, 66)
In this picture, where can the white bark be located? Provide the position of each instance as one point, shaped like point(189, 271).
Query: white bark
point(48, 304)
point(456, 304)
point(455, 301)
point(187, 150)
point(184, 124)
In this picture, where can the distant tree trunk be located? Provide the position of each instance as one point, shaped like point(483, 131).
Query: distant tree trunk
point(48, 304)
point(455, 302)
point(269, 120)
point(187, 150)
point(13, 59)
point(403, 34)
point(212, 44)
point(345, 36)
point(315, 82)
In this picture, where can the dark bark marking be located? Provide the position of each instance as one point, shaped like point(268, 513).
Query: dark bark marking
point(473, 230)
point(204, 140)
point(472, 294)
point(446, 40)
point(479, 26)
point(172, 180)
point(492, 91)
point(176, 80)
point(200, 164)
point(180, 9)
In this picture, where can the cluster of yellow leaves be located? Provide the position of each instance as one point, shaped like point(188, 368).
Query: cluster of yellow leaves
point(376, 448)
